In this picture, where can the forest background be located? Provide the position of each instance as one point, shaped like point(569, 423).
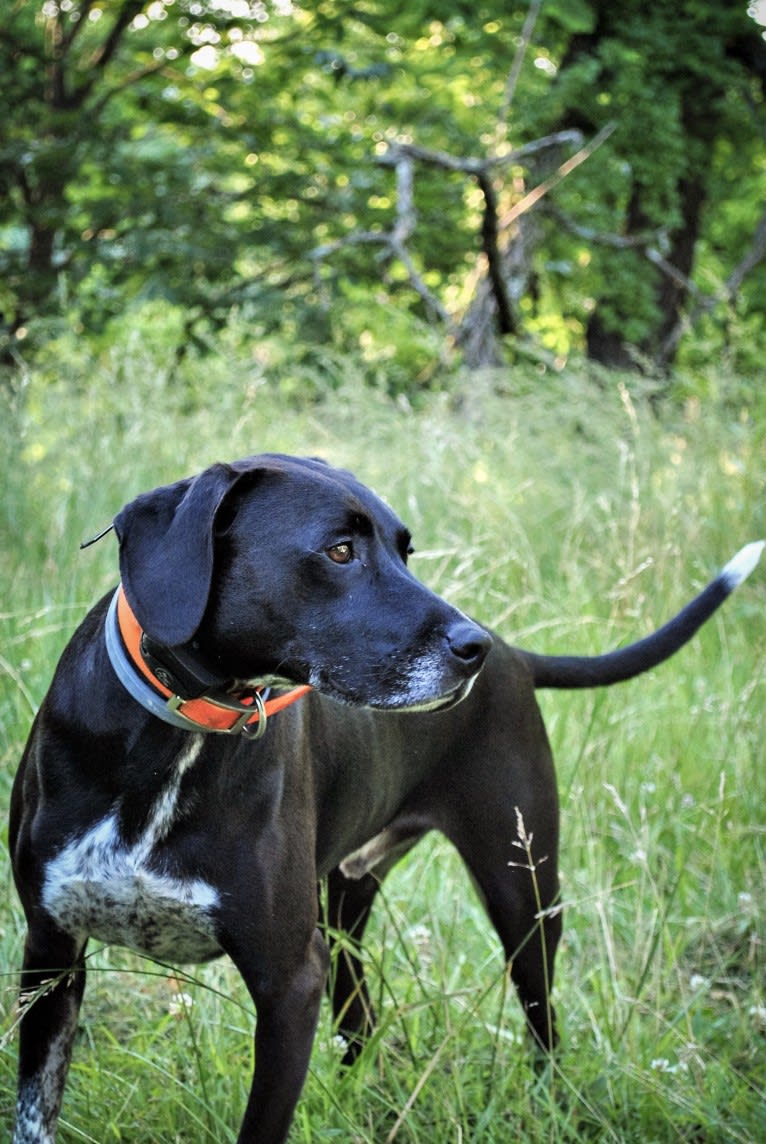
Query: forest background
point(392, 180)
point(506, 262)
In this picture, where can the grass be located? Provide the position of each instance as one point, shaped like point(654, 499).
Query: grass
point(567, 513)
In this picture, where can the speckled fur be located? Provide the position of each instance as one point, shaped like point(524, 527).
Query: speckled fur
point(100, 887)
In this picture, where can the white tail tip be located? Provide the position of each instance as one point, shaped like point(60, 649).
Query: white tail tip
point(741, 565)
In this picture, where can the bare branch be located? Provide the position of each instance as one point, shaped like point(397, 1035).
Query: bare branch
point(356, 238)
point(644, 243)
point(708, 302)
point(394, 241)
point(518, 62)
point(672, 272)
point(599, 237)
point(417, 283)
point(405, 201)
point(557, 139)
point(755, 254)
point(403, 156)
point(473, 166)
point(533, 197)
point(396, 151)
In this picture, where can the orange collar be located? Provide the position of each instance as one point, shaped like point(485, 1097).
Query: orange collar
point(243, 713)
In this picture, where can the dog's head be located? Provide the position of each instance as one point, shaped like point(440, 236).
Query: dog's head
point(285, 569)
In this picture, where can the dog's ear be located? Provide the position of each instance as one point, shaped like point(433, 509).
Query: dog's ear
point(166, 552)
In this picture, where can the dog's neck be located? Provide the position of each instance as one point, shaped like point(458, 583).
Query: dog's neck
point(181, 689)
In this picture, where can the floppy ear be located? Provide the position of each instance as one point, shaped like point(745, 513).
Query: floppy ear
point(166, 552)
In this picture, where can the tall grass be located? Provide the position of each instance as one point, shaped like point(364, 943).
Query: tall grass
point(568, 513)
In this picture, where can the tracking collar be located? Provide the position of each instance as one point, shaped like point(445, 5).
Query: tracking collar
point(183, 694)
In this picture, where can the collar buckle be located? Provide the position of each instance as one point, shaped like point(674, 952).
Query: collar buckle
point(251, 720)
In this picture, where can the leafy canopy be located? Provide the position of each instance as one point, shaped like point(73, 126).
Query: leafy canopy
point(229, 153)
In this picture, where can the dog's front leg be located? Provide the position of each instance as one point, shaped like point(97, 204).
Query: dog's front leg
point(287, 1009)
point(52, 985)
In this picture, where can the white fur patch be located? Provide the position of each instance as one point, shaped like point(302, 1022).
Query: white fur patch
point(419, 688)
point(31, 1123)
point(98, 886)
point(741, 565)
point(40, 1095)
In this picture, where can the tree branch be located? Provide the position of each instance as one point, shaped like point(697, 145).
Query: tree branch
point(518, 62)
point(395, 239)
point(646, 245)
point(103, 55)
point(402, 156)
point(67, 38)
point(755, 254)
point(473, 166)
point(129, 81)
point(356, 238)
point(533, 197)
point(707, 302)
point(599, 237)
point(405, 201)
point(489, 242)
point(417, 283)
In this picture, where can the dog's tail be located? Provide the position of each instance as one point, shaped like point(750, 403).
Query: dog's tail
point(570, 671)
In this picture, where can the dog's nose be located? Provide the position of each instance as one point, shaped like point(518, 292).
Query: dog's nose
point(469, 643)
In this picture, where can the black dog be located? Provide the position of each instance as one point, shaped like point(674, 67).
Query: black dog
point(151, 810)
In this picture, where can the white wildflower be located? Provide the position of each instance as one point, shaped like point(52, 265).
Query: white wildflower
point(757, 1014)
point(663, 1065)
point(180, 1003)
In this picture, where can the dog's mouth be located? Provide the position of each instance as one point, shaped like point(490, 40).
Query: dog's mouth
point(441, 703)
point(402, 702)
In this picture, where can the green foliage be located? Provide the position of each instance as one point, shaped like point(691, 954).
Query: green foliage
point(669, 168)
point(204, 153)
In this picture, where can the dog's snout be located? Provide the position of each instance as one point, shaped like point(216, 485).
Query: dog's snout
point(469, 643)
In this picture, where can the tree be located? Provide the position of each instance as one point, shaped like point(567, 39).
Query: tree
point(685, 84)
point(319, 166)
point(108, 131)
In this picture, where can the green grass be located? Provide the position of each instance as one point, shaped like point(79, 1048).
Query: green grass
point(568, 514)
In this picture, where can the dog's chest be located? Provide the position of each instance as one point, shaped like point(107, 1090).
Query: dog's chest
point(100, 887)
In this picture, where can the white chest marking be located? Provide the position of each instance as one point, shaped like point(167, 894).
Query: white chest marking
point(98, 886)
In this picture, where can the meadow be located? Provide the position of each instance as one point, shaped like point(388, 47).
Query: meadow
point(571, 511)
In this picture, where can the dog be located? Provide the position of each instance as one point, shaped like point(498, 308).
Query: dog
point(271, 698)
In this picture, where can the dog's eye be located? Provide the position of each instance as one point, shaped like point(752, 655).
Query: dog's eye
point(341, 553)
